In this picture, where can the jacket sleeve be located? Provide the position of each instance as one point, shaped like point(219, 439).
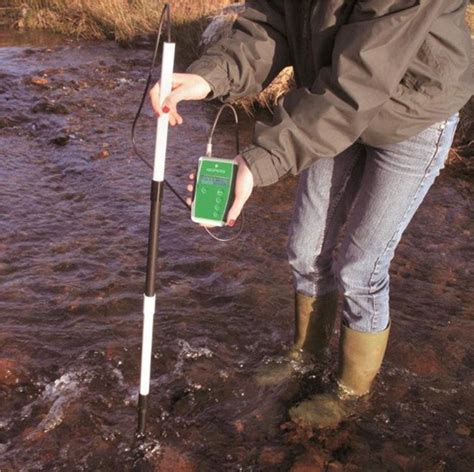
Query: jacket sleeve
point(372, 52)
point(251, 57)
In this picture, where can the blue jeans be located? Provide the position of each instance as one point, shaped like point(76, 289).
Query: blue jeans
point(350, 214)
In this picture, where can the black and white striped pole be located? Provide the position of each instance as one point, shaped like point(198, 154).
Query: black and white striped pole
point(157, 183)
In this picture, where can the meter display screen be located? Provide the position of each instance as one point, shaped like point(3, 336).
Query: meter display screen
point(220, 181)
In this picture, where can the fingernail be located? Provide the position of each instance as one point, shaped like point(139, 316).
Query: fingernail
point(231, 223)
point(165, 109)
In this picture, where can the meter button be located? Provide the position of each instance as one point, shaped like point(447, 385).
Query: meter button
point(220, 193)
point(218, 200)
point(217, 207)
point(203, 190)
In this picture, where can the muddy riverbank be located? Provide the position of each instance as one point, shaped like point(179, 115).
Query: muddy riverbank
point(73, 229)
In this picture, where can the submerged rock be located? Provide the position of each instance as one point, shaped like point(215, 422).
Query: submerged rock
point(172, 460)
point(10, 121)
point(104, 154)
point(312, 461)
point(463, 430)
point(61, 139)
point(11, 373)
point(271, 456)
point(40, 81)
point(49, 106)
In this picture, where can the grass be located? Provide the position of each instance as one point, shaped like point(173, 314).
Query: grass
point(461, 156)
point(122, 20)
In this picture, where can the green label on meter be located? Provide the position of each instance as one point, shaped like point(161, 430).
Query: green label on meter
point(214, 190)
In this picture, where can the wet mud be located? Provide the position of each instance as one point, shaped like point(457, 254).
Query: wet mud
point(74, 205)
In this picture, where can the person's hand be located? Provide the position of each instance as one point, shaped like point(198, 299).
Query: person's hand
point(243, 190)
point(184, 87)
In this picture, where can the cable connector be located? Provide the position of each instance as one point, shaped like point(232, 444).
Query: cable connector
point(209, 150)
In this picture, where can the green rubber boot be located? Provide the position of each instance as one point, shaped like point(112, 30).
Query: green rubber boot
point(360, 359)
point(314, 324)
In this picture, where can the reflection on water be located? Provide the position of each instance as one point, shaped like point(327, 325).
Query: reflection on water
point(9, 38)
point(74, 217)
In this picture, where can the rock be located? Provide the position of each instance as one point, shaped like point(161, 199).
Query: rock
point(104, 154)
point(338, 442)
point(172, 460)
point(19, 24)
point(402, 461)
point(46, 106)
point(312, 461)
point(143, 40)
point(334, 466)
point(307, 465)
point(271, 456)
point(463, 430)
point(61, 140)
point(239, 426)
point(41, 81)
point(399, 390)
point(10, 121)
point(114, 352)
point(221, 25)
point(11, 373)
point(391, 455)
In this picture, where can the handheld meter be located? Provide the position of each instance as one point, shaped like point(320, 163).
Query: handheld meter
point(213, 190)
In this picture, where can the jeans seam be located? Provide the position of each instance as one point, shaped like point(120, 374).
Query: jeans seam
point(331, 215)
point(377, 263)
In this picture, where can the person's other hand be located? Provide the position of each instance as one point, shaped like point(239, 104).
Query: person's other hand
point(243, 190)
point(184, 87)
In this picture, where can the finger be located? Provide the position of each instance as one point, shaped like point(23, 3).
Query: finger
point(191, 176)
point(235, 211)
point(169, 106)
point(190, 188)
point(155, 98)
point(171, 101)
point(189, 201)
point(178, 120)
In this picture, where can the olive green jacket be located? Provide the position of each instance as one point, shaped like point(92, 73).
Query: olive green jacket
point(378, 71)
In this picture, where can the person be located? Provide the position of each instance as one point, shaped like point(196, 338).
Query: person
point(368, 127)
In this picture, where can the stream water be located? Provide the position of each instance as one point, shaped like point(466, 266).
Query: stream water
point(74, 205)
